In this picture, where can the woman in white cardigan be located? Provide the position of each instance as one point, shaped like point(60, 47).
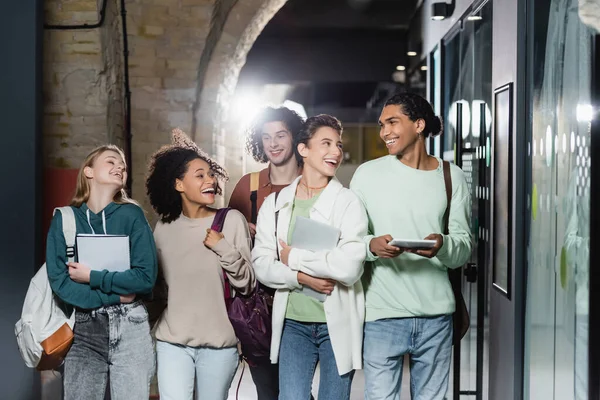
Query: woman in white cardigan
point(318, 310)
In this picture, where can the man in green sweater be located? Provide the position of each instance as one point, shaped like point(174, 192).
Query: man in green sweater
point(409, 299)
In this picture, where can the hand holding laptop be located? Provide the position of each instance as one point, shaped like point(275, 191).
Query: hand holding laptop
point(387, 247)
point(79, 273)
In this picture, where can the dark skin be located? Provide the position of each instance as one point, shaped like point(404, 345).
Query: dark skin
point(404, 139)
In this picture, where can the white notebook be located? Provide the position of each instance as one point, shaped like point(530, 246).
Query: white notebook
point(100, 252)
point(314, 236)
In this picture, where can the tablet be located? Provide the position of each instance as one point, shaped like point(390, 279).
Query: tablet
point(412, 244)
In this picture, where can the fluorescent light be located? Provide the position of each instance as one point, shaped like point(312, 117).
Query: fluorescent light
point(400, 68)
point(438, 18)
point(411, 53)
point(424, 68)
point(474, 17)
point(585, 112)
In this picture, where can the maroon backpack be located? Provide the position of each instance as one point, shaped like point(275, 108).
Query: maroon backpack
point(249, 315)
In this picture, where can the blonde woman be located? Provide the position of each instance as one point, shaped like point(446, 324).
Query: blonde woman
point(112, 334)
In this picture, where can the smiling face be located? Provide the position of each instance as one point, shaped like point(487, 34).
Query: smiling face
point(399, 133)
point(199, 183)
point(277, 143)
point(323, 152)
point(108, 170)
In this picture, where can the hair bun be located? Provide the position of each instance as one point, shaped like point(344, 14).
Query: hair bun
point(436, 126)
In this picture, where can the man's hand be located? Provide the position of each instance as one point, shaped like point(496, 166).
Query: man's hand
point(324, 286)
point(212, 238)
point(79, 272)
point(284, 254)
point(380, 247)
point(432, 252)
point(127, 298)
point(252, 229)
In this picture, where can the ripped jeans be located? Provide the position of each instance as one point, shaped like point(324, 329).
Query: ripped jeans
point(111, 341)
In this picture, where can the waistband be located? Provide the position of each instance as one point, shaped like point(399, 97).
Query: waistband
point(116, 309)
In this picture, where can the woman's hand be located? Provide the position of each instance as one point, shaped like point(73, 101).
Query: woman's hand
point(321, 285)
point(79, 272)
point(252, 229)
point(212, 238)
point(284, 254)
point(127, 298)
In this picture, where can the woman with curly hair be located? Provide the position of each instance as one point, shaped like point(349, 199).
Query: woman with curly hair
point(195, 340)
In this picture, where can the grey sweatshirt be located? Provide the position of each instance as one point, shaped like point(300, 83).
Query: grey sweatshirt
point(195, 314)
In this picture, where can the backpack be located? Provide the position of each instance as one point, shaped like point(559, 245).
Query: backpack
point(249, 315)
point(45, 330)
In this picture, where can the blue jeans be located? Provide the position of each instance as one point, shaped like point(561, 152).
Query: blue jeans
point(113, 342)
point(302, 345)
point(213, 369)
point(428, 341)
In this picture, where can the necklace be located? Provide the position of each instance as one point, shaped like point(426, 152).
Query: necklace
point(313, 188)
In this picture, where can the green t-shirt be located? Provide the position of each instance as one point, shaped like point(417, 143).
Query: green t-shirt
point(301, 307)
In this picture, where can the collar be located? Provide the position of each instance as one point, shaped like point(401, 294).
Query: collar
point(324, 204)
point(264, 177)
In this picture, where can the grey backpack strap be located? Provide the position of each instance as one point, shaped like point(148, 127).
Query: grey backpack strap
point(69, 230)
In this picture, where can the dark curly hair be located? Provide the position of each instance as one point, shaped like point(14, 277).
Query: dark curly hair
point(166, 165)
point(415, 107)
point(311, 126)
point(254, 145)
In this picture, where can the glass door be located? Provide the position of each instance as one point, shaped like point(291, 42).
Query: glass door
point(467, 102)
point(562, 113)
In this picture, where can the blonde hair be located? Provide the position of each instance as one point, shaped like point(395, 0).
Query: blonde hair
point(82, 191)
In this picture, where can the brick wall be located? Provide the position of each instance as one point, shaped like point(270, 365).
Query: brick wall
point(185, 58)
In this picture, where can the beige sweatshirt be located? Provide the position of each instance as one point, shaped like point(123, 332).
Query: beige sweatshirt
point(192, 274)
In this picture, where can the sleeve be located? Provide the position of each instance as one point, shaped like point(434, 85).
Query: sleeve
point(344, 263)
point(77, 294)
point(355, 186)
point(234, 253)
point(457, 245)
point(268, 269)
point(140, 278)
point(240, 197)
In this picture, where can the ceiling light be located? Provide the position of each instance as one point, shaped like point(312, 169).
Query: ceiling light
point(440, 11)
point(474, 17)
point(400, 68)
point(411, 53)
point(424, 68)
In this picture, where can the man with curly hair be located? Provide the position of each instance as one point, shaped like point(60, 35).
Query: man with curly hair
point(269, 139)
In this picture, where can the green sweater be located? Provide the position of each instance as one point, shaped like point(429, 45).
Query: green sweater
point(407, 203)
point(104, 287)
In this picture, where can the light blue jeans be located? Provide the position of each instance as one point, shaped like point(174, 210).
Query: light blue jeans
point(428, 341)
point(302, 346)
point(115, 342)
point(213, 369)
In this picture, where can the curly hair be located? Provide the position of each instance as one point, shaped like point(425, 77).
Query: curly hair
point(416, 107)
point(254, 145)
point(311, 126)
point(167, 165)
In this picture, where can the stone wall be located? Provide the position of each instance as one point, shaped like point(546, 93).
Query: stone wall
point(184, 60)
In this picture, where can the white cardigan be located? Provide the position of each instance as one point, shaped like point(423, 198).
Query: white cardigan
point(345, 307)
